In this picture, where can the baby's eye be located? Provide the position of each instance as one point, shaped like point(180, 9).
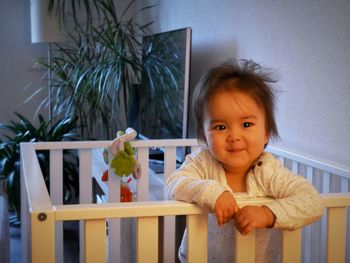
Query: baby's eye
point(247, 124)
point(220, 127)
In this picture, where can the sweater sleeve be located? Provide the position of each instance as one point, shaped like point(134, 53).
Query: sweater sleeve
point(195, 181)
point(297, 202)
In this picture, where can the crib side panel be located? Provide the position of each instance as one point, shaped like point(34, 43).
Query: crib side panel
point(317, 237)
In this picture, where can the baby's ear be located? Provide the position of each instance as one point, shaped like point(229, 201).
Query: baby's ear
point(267, 137)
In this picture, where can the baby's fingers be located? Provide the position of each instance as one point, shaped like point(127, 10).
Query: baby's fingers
point(220, 218)
point(244, 225)
point(235, 209)
point(223, 217)
point(246, 229)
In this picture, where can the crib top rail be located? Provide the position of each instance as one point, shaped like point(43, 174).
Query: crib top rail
point(138, 209)
point(65, 145)
point(336, 199)
point(165, 208)
point(312, 161)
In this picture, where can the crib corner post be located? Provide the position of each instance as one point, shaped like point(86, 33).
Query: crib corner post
point(42, 236)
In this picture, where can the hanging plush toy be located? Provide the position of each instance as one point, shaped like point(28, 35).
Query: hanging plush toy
point(123, 161)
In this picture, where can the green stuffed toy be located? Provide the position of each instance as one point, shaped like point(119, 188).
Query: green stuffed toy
point(123, 162)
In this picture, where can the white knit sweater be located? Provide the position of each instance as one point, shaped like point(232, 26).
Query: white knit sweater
point(201, 179)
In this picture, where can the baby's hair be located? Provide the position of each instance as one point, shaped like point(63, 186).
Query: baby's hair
point(244, 76)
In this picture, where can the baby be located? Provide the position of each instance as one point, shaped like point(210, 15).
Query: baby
point(233, 106)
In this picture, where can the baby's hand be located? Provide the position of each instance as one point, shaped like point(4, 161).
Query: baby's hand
point(225, 207)
point(251, 217)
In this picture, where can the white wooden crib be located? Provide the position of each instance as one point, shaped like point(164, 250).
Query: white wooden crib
point(42, 214)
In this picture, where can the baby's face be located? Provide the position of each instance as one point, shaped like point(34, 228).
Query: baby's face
point(235, 129)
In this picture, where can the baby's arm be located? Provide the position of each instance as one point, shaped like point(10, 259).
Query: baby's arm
point(225, 207)
point(195, 181)
point(296, 202)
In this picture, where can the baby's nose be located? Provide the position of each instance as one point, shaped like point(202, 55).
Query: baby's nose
point(233, 135)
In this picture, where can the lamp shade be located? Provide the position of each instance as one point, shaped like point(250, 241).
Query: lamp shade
point(45, 28)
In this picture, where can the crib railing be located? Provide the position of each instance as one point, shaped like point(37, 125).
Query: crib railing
point(43, 214)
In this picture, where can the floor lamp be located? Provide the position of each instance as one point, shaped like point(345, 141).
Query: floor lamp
point(45, 28)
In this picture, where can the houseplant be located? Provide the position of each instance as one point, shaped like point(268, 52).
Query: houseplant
point(95, 71)
point(24, 131)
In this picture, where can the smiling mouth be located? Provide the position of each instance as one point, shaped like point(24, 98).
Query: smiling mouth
point(235, 150)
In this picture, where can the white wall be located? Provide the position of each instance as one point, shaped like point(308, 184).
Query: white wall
point(307, 42)
point(17, 57)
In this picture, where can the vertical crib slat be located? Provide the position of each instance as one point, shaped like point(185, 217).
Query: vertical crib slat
point(113, 184)
point(85, 190)
point(246, 245)
point(291, 246)
point(56, 194)
point(325, 189)
point(85, 176)
point(307, 231)
point(344, 184)
point(309, 173)
point(169, 161)
point(326, 176)
point(197, 234)
point(295, 167)
point(336, 232)
point(95, 241)
point(114, 225)
point(142, 183)
point(56, 176)
point(169, 221)
point(147, 239)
